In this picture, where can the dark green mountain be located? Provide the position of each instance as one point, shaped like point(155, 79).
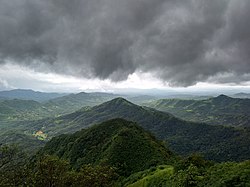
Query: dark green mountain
point(118, 143)
point(221, 110)
point(29, 95)
point(215, 142)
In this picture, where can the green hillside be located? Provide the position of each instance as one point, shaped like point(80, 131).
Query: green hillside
point(221, 110)
point(118, 143)
point(229, 174)
point(217, 143)
point(115, 153)
point(20, 110)
point(155, 176)
point(73, 102)
point(26, 142)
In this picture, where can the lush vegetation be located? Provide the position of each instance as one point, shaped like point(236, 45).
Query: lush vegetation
point(221, 110)
point(217, 143)
point(93, 158)
point(118, 143)
point(26, 110)
point(118, 152)
point(16, 169)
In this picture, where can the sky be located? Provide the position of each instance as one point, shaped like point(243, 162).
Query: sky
point(114, 45)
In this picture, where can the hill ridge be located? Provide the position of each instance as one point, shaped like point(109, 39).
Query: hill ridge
point(117, 142)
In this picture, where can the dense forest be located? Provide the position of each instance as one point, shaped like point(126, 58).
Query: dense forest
point(99, 140)
point(114, 153)
point(217, 143)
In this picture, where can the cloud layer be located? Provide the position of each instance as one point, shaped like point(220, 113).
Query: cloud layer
point(180, 42)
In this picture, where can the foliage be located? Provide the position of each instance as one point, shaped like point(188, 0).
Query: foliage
point(12, 166)
point(49, 171)
point(19, 170)
point(216, 143)
point(97, 176)
point(119, 143)
point(221, 110)
point(155, 176)
point(228, 174)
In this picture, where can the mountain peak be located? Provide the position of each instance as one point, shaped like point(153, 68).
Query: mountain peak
point(120, 101)
point(222, 97)
point(116, 105)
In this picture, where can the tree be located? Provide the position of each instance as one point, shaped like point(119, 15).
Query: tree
point(50, 171)
point(13, 170)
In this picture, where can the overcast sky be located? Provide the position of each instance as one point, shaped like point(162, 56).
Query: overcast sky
point(103, 45)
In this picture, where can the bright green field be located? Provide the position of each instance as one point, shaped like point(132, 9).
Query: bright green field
point(156, 176)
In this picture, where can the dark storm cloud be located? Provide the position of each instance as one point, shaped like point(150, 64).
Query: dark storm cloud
point(181, 42)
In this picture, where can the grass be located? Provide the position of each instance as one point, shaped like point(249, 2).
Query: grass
point(155, 176)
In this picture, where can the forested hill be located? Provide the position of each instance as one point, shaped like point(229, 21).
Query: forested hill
point(215, 142)
point(115, 153)
point(221, 110)
point(119, 143)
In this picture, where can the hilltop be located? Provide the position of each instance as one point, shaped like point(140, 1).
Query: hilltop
point(119, 143)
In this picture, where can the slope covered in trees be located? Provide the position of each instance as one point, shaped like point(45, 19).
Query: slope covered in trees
point(118, 143)
point(20, 109)
point(215, 142)
point(221, 110)
point(115, 153)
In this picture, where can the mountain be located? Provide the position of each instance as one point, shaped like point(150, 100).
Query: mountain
point(73, 102)
point(29, 95)
point(242, 95)
point(221, 110)
point(217, 143)
point(16, 109)
point(141, 99)
point(118, 143)
point(25, 142)
point(20, 110)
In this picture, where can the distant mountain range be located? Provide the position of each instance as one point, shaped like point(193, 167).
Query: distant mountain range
point(221, 110)
point(241, 95)
point(17, 109)
point(29, 95)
